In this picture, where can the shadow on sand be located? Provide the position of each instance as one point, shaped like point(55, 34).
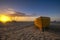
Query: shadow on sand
point(54, 29)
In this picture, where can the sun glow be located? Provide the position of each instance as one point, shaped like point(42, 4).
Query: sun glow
point(5, 18)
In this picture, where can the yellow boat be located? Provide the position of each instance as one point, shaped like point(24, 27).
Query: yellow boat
point(42, 22)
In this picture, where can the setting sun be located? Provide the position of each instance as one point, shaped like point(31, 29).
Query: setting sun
point(5, 18)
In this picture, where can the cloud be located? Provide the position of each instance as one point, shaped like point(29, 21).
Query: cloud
point(11, 11)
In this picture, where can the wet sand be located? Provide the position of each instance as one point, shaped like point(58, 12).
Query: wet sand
point(27, 31)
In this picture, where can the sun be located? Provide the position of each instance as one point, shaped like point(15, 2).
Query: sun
point(4, 18)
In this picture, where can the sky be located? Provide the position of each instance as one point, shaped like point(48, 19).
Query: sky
point(49, 8)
